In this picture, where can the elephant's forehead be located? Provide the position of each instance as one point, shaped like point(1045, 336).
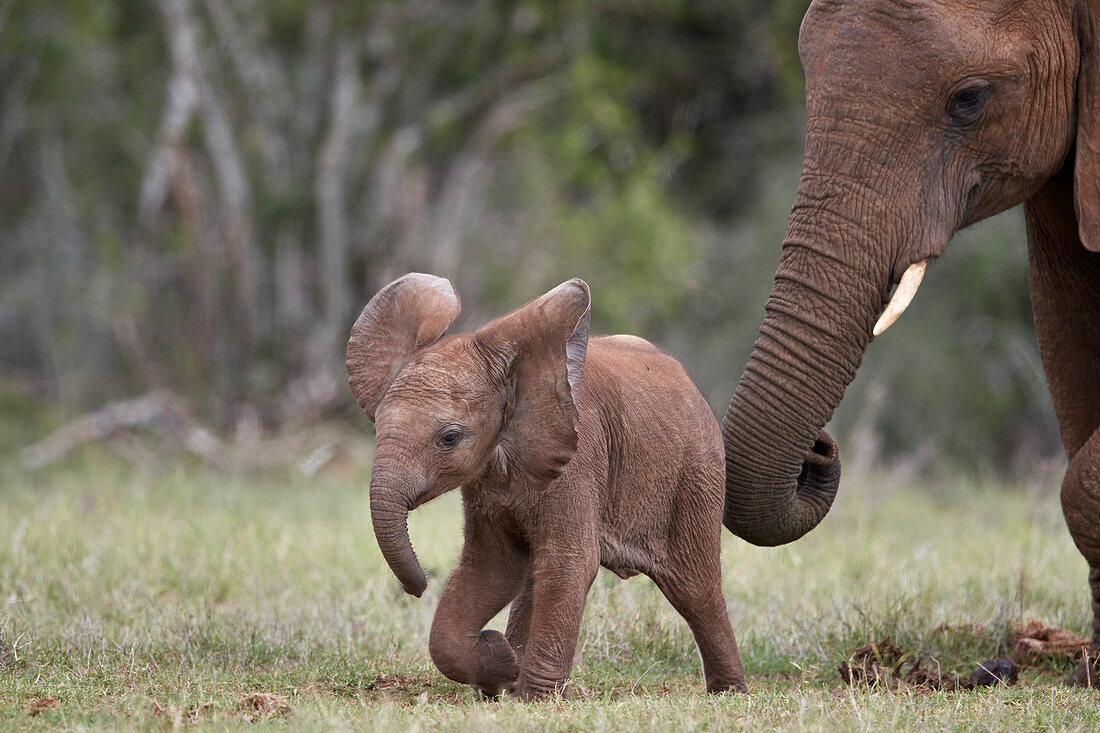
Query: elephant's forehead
point(915, 11)
point(900, 53)
point(840, 36)
point(446, 376)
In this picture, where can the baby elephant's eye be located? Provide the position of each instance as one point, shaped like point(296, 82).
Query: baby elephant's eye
point(449, 439)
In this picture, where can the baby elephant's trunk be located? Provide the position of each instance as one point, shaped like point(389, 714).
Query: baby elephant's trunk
point(389, 511)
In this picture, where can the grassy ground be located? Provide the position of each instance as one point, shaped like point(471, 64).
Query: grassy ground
point(144, 599)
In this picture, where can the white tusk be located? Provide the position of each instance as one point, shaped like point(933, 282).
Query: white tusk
point(903, 296)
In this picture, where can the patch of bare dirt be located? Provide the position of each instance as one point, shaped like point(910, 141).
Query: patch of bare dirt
point(403, 687)
point(383, 685)
point(259, 705)
point(875, 664)
point(1034, 643)
point(884, 664)
point(401, 682)
point(931, 678)
point(42, 704)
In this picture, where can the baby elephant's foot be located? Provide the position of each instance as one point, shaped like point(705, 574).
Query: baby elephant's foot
point(497, 665)
point(529, 689)
point(736, 684)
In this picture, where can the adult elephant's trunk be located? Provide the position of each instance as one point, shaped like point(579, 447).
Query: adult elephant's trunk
point(782, 469)
point(389, 511)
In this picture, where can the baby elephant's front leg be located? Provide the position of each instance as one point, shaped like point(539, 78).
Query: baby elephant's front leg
point(562, 579)
point(458, 645)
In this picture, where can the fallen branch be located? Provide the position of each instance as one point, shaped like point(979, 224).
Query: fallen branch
point(308, 448)
point(153, 408)
point(94, 426)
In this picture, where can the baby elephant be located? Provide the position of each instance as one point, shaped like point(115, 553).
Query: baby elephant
point(571, 454)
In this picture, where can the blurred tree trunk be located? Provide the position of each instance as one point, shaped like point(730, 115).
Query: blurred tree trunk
point(331, 191)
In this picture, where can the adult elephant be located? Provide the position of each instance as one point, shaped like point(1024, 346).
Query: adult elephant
point(923, 117)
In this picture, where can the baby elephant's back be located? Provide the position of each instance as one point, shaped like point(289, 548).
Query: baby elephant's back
point(663, 443)
point(654, 384)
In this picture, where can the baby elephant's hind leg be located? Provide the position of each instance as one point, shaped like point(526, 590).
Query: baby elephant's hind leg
point(696, 593)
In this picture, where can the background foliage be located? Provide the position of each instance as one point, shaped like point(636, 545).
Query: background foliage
point(199, 195)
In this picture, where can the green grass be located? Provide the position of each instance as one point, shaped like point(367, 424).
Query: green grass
point(153, 599)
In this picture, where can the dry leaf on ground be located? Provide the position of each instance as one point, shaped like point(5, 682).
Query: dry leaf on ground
point(43, 703)
point(258, 705)
point(1033, 641)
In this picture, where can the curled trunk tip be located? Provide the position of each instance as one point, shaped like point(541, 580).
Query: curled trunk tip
point(753, 512)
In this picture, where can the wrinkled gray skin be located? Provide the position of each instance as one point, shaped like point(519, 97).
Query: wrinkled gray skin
point(924, 116)
point(570, 453)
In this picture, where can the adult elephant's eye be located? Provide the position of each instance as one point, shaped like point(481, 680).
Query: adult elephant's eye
point(449, 439)
point(966, 105)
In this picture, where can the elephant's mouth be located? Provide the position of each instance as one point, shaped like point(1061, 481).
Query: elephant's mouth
point(438, 490)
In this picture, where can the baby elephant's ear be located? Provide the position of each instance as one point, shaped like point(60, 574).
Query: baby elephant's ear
point(408, 314)
point(542, 347)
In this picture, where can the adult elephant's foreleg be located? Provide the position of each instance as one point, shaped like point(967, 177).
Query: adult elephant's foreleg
point(1065, 295)
point(1081, 506)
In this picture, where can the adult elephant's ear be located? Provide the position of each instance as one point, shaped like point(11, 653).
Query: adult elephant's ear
point(406, 315)
point(538, 350)
point(1087, 166)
